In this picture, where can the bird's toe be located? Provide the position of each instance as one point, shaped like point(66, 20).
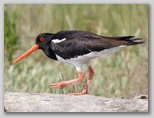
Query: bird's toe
point(79, 93)
point(59, 84)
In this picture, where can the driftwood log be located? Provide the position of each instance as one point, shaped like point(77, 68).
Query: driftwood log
point(31, 102)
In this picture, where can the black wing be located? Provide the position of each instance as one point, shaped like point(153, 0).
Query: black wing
point(80, 42)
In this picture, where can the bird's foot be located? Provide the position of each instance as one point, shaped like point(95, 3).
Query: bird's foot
point(80, 93)
point(58, 84)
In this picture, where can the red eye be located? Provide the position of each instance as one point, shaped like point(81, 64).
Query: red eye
point(42, 39)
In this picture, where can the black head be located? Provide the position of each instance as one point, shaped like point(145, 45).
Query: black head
point(43, 40)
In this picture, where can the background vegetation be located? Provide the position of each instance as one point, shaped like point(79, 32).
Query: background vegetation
point(123, 74)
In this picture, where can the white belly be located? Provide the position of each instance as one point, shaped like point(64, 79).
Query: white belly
point(84, 59)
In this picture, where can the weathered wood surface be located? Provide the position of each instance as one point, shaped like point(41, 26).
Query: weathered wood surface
point(31, 102)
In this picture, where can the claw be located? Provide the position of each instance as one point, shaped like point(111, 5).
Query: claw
point(79, 93)
point(59, 84)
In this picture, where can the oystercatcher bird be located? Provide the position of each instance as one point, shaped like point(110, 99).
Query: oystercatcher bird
point(78, 48)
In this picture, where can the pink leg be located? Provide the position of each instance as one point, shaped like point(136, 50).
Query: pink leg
point(64, 83)
point(91, 74)
point(85, 90)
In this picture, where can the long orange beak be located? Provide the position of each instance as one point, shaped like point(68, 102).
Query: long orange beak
point(32, 49)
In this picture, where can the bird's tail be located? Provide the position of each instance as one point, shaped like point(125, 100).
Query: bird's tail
point(126, 40)
point(132, 40)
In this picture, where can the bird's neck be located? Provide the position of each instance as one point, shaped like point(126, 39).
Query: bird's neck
point(49, 53)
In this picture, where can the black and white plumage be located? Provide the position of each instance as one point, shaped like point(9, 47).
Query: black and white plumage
point(78, 48)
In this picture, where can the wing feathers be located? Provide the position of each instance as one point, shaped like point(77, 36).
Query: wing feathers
point(79, 43)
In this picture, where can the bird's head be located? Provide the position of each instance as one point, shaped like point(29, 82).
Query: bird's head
point(42, 40)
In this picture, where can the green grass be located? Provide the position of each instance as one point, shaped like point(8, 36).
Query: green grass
point(123, 74)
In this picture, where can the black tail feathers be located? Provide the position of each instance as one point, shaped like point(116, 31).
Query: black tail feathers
point(135, 41)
